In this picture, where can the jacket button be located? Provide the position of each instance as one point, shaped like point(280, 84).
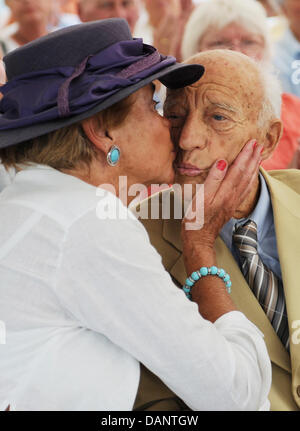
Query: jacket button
point(298, 391)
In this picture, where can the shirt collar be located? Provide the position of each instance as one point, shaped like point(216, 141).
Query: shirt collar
point(262, 215)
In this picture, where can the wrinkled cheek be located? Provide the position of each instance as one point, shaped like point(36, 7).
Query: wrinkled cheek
point(225, 150)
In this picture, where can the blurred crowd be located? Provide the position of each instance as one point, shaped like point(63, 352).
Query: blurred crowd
point(267, 30)
point(161, 22)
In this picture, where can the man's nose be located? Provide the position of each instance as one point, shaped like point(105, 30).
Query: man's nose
point(193, 135)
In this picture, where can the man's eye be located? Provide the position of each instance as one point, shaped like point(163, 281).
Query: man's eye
point(219, 117)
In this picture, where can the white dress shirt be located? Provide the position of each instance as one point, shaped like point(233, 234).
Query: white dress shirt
point(85, 299)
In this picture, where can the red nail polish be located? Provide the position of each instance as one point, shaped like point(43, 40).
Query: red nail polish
point(221, 165)
point(254, 145)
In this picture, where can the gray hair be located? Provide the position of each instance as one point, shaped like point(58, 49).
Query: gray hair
point(271, 106)
point(220, 13)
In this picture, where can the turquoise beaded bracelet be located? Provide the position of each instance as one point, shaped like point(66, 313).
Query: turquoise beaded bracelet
point(203, 272)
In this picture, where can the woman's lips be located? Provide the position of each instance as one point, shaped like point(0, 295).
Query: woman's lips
point(189, 170)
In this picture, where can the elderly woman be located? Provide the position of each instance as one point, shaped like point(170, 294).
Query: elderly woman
point(242, 26)
point(84, 296)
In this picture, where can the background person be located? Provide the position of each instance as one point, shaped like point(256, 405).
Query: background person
point(60, 15)
point(31, 22)
point(241, 26)
point(166, 23)
point(272, 7)
point(92, 10)
point(287, 49)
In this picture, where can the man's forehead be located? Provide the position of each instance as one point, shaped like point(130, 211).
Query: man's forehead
point(219, 85)
point(228, 68)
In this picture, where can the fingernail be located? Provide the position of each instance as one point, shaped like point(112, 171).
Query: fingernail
point(261, 151)
point(254, 144)
point(221, 165)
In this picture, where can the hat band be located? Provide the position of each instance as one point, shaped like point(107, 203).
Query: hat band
point(128, 72)
point(48, 95)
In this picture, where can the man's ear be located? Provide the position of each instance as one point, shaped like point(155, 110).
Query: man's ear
point(272, 138)
point(96, 133)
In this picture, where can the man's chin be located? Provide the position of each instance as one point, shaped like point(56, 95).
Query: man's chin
point(185, 179)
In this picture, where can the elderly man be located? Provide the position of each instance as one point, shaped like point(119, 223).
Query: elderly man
point(260, 248)
point(92, 10)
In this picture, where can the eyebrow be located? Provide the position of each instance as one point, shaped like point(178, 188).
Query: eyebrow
point(225, 106)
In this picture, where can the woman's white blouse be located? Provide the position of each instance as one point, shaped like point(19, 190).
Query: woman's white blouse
point(6, 176)
point(85, 299)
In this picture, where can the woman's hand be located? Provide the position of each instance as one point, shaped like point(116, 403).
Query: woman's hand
point(224, 191)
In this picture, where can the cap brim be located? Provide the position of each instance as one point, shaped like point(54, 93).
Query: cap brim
point(174, 77)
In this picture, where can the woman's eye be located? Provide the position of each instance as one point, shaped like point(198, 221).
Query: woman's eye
point(173, 117)
point(176, 121)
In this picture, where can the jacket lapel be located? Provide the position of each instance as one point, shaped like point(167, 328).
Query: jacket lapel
point(286, 210)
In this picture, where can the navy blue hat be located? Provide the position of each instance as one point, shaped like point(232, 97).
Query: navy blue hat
point(73, 73)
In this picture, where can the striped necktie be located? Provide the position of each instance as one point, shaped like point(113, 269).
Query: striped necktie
point(267, 288)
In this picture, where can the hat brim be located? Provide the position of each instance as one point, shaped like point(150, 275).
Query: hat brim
point(173, 77)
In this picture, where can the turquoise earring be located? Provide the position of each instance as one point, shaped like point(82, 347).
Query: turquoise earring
point(113, 155)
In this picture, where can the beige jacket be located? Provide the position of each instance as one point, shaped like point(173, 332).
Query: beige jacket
point(284, 187)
